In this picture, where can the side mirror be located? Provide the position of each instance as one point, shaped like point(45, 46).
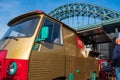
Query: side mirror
point(43, 35)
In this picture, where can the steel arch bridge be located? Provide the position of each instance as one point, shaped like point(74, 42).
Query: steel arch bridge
point(78, 15)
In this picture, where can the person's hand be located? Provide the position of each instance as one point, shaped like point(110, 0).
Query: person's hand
point(113, 67)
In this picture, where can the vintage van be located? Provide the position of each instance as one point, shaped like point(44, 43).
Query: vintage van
point(39, 47)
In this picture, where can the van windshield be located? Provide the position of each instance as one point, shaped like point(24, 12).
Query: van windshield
point(23, 28)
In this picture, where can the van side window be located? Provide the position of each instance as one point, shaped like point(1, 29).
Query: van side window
point(55, 31)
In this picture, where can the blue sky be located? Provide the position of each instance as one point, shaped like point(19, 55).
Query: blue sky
point(12, 8)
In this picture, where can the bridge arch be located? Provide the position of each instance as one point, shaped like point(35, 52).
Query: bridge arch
point(84, 10)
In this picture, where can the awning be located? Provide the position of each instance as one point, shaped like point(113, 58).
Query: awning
point(94, 35)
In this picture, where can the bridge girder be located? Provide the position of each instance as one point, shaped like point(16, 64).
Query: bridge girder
point(83, 9)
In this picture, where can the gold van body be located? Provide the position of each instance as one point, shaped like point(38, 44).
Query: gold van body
point(50, 61)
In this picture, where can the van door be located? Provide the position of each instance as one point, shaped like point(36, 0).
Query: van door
point(47, 61)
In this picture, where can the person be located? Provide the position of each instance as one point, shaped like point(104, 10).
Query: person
point(116, 59)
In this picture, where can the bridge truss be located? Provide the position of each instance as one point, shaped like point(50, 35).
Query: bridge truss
point(78, 15)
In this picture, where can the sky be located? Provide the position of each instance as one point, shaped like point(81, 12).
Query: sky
point(10, 9)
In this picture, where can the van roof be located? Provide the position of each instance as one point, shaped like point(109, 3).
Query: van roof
point(37, 12)
point(23, 16)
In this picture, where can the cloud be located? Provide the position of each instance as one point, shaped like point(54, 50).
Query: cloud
point(7, 6)
point(8, 10)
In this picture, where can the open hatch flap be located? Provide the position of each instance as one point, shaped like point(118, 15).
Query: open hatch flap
point(112, 26)
point(94, 35)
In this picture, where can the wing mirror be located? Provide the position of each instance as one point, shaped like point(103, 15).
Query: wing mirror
point(43, 34)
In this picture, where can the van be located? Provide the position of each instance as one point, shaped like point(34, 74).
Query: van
point(39, 47)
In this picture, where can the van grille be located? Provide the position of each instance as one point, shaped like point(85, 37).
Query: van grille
point(2, 61)
point(0, 66)
point(1, 69)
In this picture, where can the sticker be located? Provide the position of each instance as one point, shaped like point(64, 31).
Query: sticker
point(80, 43)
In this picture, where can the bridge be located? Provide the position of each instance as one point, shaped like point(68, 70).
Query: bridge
point(95, 24)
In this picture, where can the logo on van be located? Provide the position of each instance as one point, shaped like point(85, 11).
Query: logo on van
point(80, 42)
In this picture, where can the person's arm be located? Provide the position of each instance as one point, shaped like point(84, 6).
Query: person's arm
point(114, 57)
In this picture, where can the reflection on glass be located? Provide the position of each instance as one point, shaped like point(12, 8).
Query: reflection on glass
point(23, 28)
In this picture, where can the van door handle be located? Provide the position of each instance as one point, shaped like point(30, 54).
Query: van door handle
point(37, 47)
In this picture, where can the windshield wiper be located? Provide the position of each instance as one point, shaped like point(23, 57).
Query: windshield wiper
point(11, 37)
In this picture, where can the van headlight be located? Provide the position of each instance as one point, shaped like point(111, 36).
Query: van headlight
point(12, 69)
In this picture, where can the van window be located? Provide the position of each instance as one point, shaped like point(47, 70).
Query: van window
point(55, 31)
point(23, 28)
